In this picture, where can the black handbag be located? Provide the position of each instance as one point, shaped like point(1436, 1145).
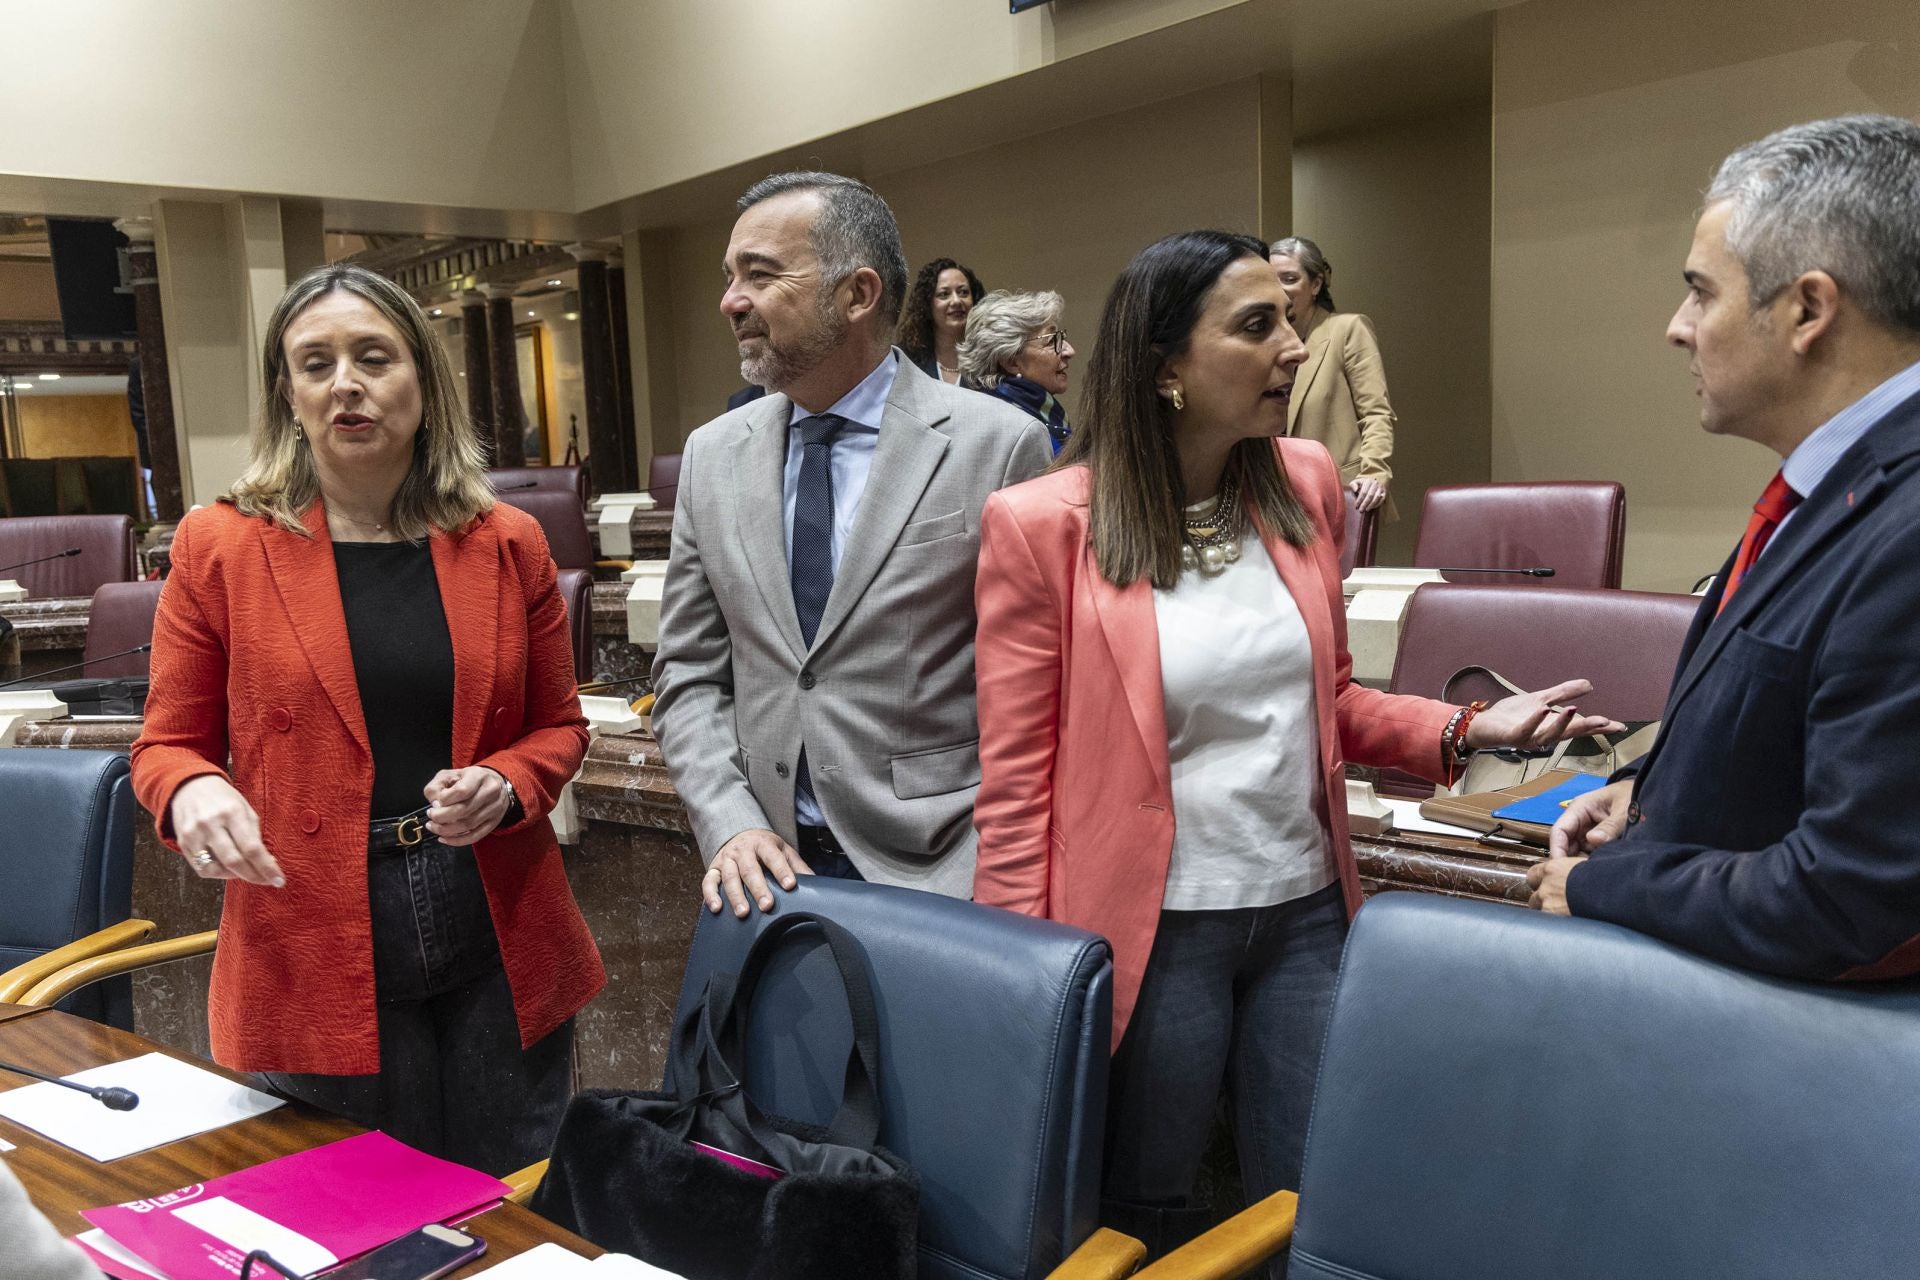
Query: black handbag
point(624, 1175)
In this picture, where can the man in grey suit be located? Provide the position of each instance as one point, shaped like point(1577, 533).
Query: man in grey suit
point(813, 687)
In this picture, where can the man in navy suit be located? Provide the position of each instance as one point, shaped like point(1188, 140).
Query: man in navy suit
point(1772, 825)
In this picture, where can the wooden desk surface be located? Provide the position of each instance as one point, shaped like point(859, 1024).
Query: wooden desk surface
point(63, 1182)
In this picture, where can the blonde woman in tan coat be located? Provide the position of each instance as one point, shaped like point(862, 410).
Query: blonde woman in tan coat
point(1340, 393)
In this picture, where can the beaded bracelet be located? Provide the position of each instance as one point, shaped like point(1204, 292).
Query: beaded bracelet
point(1454, 738)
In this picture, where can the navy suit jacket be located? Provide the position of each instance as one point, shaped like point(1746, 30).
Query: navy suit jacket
point(1774, 825)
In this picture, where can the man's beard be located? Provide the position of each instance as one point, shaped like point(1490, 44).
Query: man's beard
point(778, 367)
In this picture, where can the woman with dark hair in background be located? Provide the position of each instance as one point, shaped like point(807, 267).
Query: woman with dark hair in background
point(363, 711)
point(1340, 396)
point(1165, 717)
point(934, 318)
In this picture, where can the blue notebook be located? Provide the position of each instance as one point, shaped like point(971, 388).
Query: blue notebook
point(1547, 807)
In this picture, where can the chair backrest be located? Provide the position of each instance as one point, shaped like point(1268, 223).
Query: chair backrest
point(66, 861)
point(1509, 1094)
point(106, 553)
point(540, 479)
point(1627, 642)
point(993, 1058)
point(576, 588)
point(1363, 531)
point(563, 520)
point(120, 618)
point(663, 479)
point(1576, 528)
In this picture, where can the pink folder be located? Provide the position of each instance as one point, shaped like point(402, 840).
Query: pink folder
point(335, 1201)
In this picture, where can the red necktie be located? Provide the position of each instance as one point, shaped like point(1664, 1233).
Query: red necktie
point(1772, 508)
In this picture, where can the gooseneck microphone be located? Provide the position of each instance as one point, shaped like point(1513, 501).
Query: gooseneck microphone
point(75, 666)
point(112, 1097)
point(1538, 572)
point(58, 555)
point(510, 488)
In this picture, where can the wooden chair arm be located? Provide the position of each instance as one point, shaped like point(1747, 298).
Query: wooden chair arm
point(524, 1182)
point(20, 979)
point(1234, 1247)
point(114, 963)
point(1104, 1255)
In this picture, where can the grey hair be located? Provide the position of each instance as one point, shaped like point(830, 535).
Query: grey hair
point(1837, 196)
point(1312, 261)
point(999, 325)
point(855, 229)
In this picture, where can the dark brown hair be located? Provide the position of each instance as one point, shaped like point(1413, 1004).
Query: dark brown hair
point(916, 318)
point(1125, 430)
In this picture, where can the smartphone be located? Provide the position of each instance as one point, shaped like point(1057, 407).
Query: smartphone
point(430, 1252)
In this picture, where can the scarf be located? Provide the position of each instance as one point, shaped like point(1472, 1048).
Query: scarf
point(1036, 400)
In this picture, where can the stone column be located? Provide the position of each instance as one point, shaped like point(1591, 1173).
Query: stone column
point(509, 417)
point(605, 458)
point(623, 370)
point(473, 332)
point(156, 384)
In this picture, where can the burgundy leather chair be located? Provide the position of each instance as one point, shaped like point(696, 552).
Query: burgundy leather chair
point(663, 479)
point(563, 519)
point(512, 480)
point(120, 618)
point(106, 553)
point(576, 588)
point(1363, 531)
point(1626, 642)
point(1576, 528)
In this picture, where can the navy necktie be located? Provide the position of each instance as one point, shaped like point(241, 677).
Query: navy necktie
point(812, 571)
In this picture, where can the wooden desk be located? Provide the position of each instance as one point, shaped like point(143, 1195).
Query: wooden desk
point(48, 633)
point(63, 1182)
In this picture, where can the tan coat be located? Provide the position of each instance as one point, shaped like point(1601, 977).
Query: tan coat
point(1340, 398)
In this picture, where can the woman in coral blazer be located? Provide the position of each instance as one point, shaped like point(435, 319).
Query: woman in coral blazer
point(1165, 712)
point(362, 713)
point(1340, 395)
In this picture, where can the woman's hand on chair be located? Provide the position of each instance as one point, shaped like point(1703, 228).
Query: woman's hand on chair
point(220, 833)
point(1367, 493)
point(1537, 719)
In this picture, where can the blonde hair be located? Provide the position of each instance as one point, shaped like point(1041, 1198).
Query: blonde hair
point(446, 488)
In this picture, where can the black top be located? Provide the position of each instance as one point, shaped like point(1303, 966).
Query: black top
point(403, 661)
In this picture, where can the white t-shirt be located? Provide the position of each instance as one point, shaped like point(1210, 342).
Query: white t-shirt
point(1236, 672)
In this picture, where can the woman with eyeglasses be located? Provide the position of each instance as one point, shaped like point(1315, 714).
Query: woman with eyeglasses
point(935, 317)
point(1016, 349)
point(1340, 397)
point(1166, 713)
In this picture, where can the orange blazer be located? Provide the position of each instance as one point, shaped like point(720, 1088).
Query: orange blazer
point(1075, 810)
point(251, 663)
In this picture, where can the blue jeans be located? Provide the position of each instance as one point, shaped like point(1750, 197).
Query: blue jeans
point(1238, 997)
point(453, 1078)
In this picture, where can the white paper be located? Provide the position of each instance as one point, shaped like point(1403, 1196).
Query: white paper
point(177, 1100)
point(5, 1145)
point(112, 1250)
point(1407, 817)
point(551, 1262)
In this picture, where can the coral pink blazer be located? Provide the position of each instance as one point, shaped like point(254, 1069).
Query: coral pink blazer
point(251, 661)
point(1075, 810)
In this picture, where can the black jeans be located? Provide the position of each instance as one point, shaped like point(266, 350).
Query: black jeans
point(453, 1078)
point(1240, 997)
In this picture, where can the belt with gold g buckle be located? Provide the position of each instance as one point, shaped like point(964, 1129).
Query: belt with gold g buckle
point(392, 835)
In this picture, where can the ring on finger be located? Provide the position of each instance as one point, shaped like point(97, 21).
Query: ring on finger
point(203, 859)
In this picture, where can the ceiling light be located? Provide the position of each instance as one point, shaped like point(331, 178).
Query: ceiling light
point(529, 315)
point(572, 315)
point(436, 311)
point(555, 283)
point(49, 377)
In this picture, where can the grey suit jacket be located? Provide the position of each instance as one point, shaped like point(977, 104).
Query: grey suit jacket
point(884, 701)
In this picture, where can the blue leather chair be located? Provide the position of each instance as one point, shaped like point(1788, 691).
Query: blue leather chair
point(66, 868)
point(1507, 1094)
point(993, 1059)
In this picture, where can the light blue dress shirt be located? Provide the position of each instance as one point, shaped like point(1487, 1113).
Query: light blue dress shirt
point(849, 461)
point(1817, 455)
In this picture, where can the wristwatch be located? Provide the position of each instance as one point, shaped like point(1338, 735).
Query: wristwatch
point(515, 810)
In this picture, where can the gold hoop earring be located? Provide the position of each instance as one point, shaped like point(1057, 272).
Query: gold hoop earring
point(1179, 401)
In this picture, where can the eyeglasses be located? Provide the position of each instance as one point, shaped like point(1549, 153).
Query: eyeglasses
point(1052, 341)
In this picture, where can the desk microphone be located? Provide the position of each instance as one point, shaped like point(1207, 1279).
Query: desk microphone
point(510, 488)
point(112, 1097)
point(1539, 572)
point(75, 666)
point(58, 555)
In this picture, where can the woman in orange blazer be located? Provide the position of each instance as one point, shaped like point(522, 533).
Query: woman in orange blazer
point(1165, 712)
point(362, 713)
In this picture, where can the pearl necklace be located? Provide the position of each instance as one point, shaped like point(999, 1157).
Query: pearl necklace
point(1212, 541)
